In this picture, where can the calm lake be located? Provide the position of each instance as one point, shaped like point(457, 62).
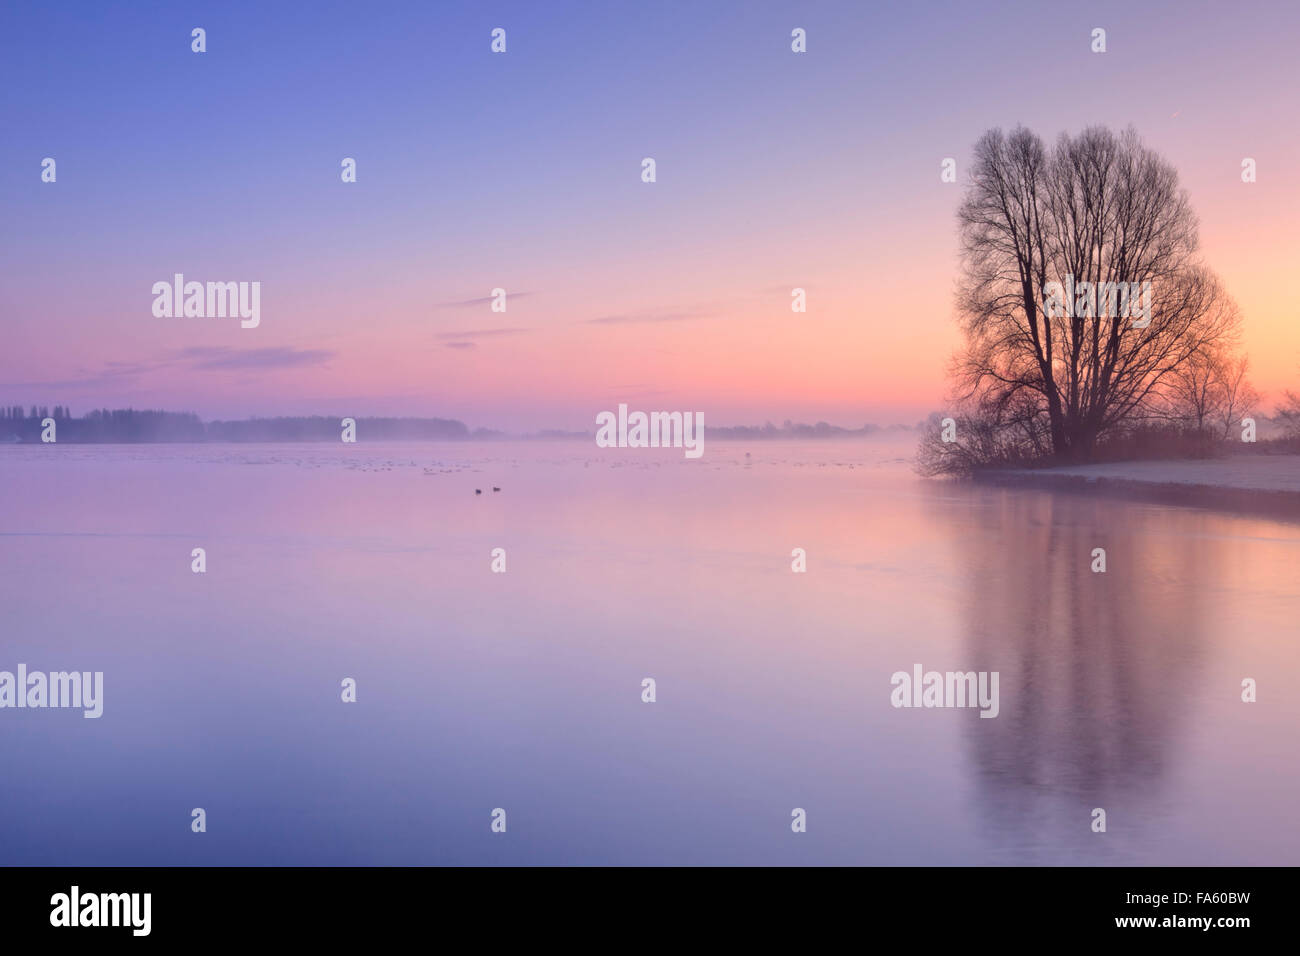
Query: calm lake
point(523, 690)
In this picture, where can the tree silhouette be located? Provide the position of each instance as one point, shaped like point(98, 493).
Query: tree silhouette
point(1098, 208)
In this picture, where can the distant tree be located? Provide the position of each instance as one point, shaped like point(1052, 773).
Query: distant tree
point(1209, 394)
point(1238, 398)
point(1194, 391)
point(1287, 414)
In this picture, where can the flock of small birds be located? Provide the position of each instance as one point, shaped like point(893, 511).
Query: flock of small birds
point(479, 491)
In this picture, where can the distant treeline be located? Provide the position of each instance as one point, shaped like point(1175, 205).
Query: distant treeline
point(796, 430)
point(325, 428)
point(143, 425)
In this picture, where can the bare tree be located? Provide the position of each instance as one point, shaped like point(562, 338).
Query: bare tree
point(1098, 212)
point(1238, 397)
point(1195, 392)
point(1287, 415)
point(1209, 393)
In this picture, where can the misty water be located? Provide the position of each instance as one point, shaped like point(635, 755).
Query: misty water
point(523, 690)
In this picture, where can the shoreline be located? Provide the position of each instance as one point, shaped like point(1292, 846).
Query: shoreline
point(1264, 485)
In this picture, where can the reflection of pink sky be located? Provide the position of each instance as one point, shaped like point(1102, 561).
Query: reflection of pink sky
point(1117, 690)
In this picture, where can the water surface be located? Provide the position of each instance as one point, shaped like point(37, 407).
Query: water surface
point(522, 690)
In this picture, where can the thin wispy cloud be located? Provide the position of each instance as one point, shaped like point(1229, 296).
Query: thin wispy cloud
point(485, 300)
point(196, 358)
point(87, 378)
point(479, 333)
point(640, 391)
point(204, 358)
point(643, 317)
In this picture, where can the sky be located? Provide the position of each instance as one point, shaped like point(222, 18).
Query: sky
point(522, 171)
